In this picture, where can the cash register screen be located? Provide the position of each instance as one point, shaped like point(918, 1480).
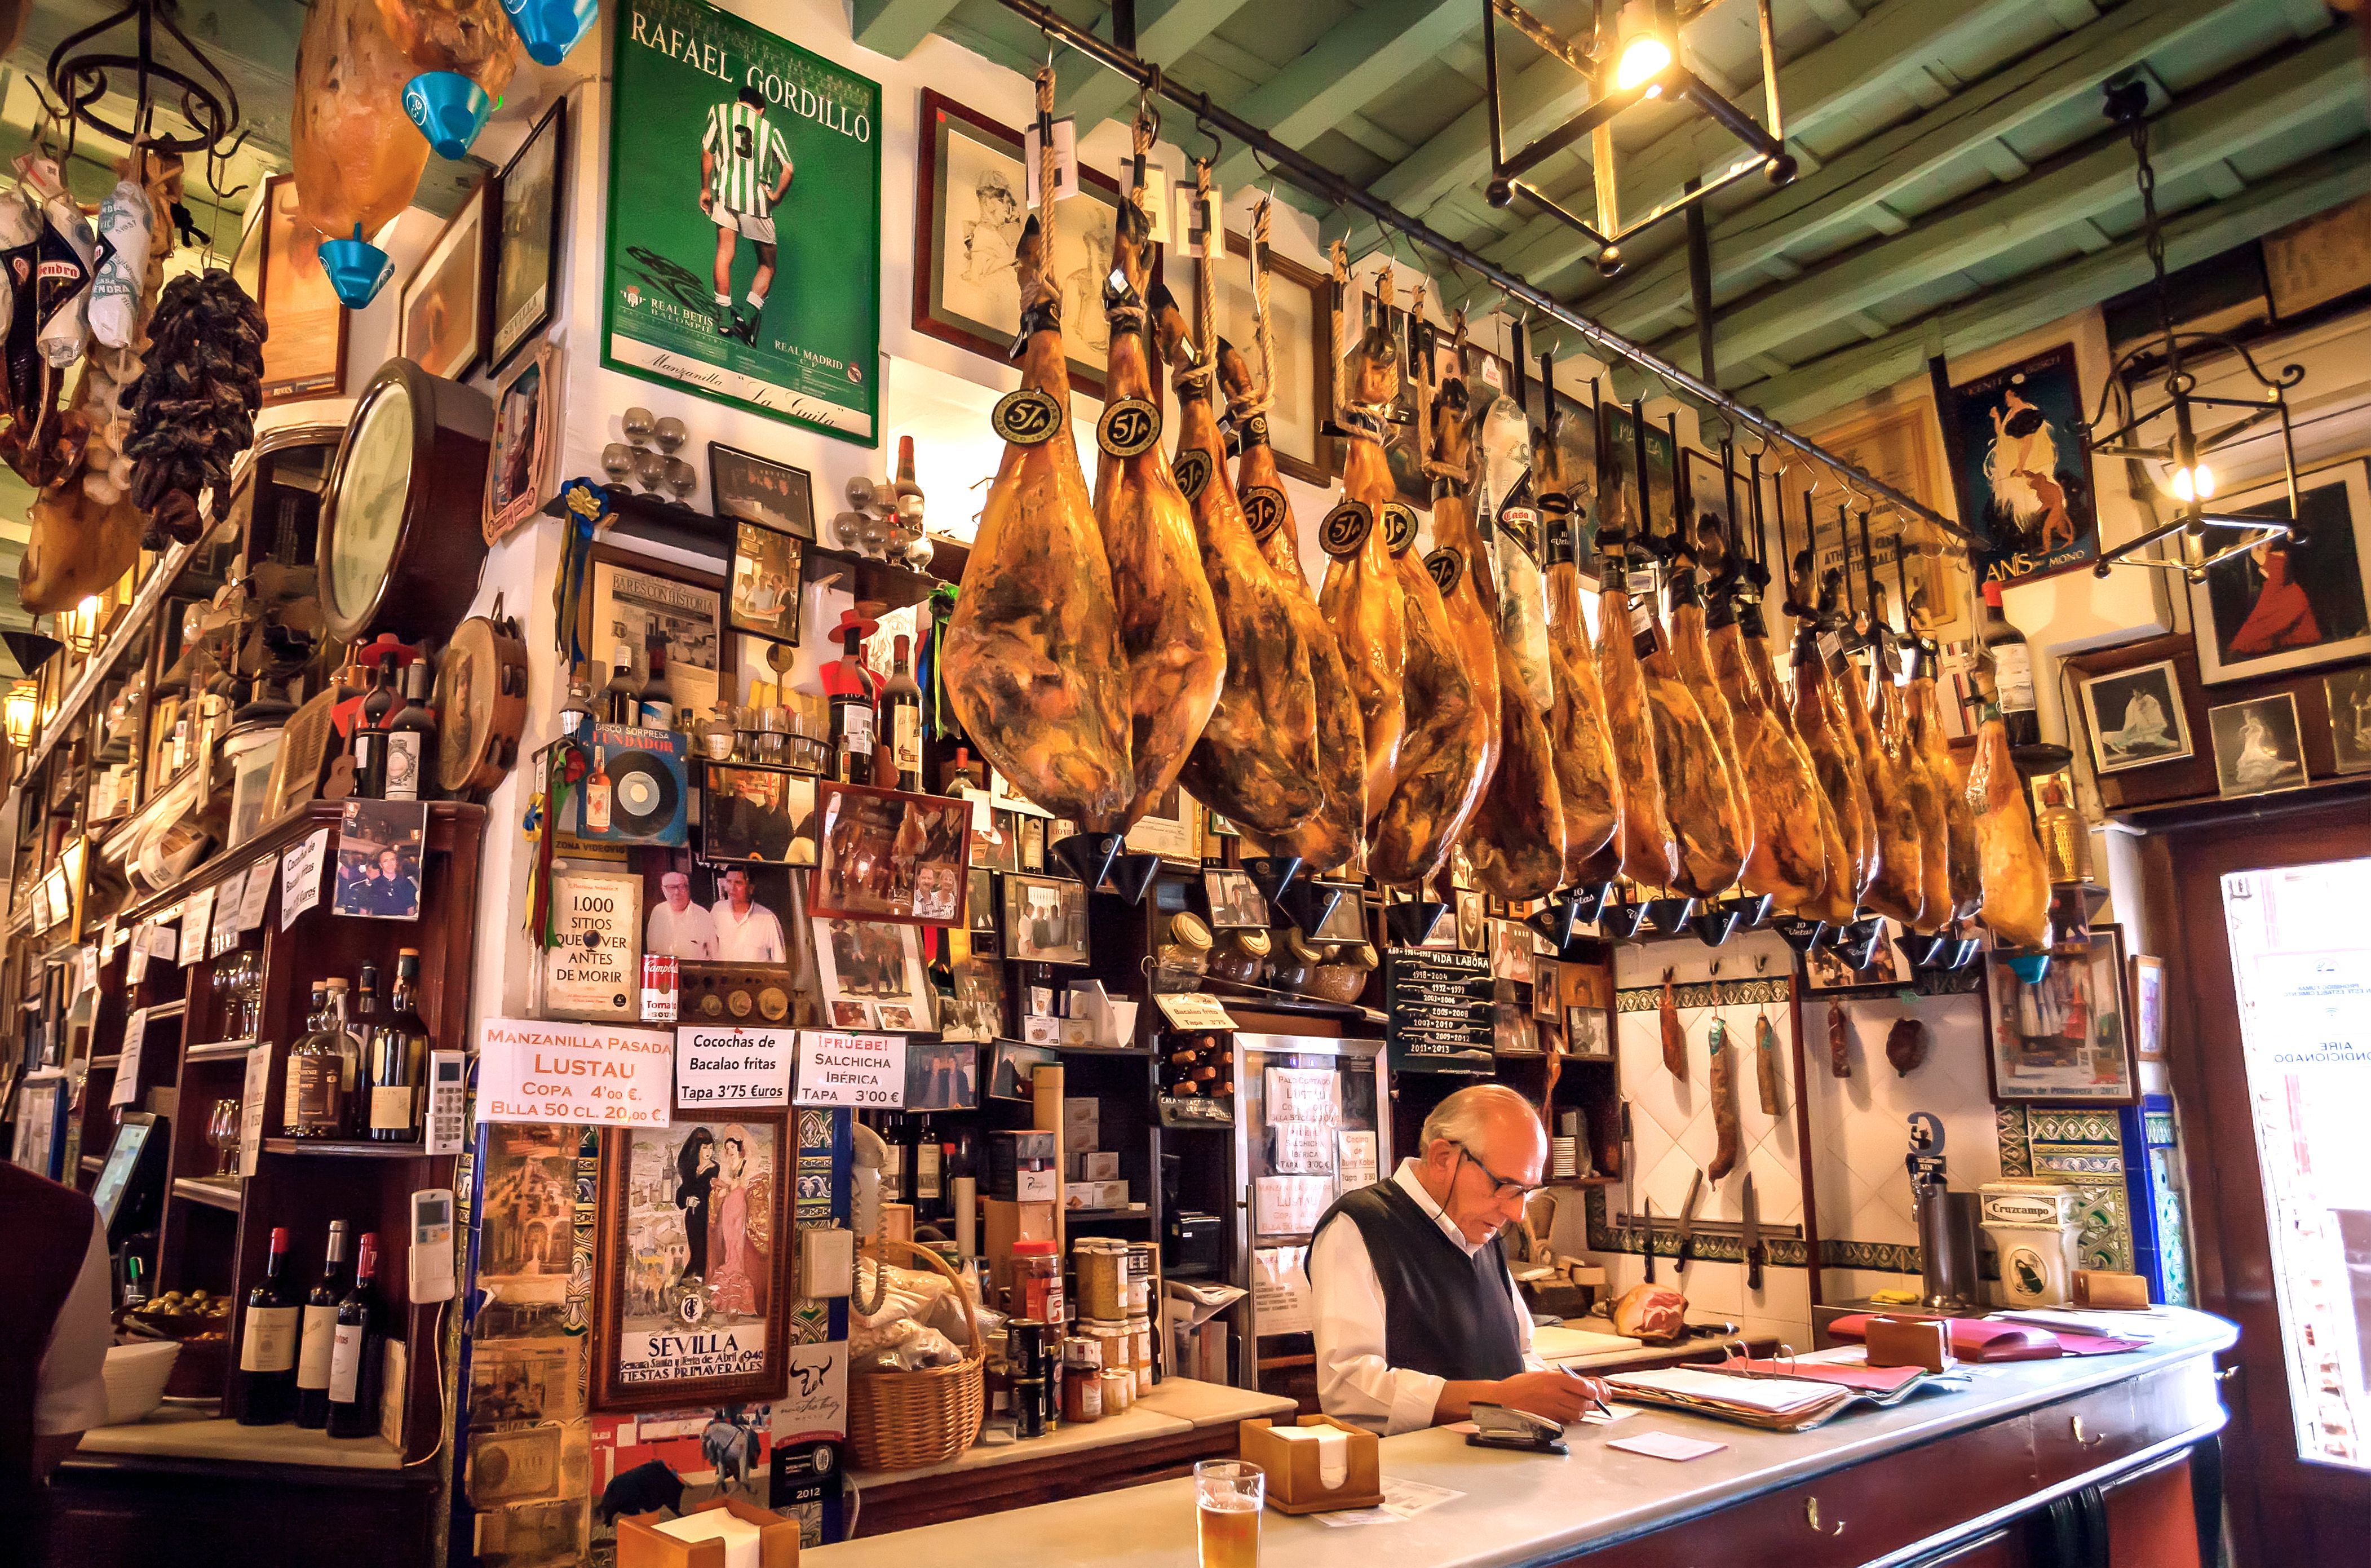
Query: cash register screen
point(115, 1176)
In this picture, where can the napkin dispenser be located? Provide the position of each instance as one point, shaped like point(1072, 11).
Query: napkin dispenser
point(1318, 1464)
point(741, 1536)
point(1909, 1342)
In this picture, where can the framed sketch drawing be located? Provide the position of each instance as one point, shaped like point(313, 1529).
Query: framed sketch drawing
point(2290, 606)
point(968, 216)
point(444, 325)
point(2349, 696)
point(692, 1307)
point(2137, 717)
point(1301, 312)
point(527, 251)
point(2257, 749)
point(305, 355)
point(2068, 1040)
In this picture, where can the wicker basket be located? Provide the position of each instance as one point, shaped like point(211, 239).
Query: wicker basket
point(904, 1420)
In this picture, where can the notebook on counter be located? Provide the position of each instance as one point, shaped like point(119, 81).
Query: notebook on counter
point(1773, 1404)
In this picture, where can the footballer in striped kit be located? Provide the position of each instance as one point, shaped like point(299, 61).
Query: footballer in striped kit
point(744, 167)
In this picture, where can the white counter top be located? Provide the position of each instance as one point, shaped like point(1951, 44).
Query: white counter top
point(1175, 1406)
point(1524, 1508)
point(184, 1434)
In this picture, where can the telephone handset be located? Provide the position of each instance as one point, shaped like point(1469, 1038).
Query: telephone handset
point(865, 1215)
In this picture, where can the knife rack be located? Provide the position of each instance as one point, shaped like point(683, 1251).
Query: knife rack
point(1669, 1225)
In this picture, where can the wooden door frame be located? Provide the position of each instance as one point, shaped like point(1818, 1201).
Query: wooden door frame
point(2182, 867)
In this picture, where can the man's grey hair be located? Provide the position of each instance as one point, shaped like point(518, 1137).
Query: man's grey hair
point(1461, 1117)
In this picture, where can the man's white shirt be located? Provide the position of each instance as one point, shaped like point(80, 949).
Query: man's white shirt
point(686, 933)
point(754, 937)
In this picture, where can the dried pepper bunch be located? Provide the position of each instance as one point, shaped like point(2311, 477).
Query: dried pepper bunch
point(193, 407)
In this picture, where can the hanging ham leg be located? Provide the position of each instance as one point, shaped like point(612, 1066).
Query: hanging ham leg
point(1835, 761)
point(1789, 859)
point(1586, 781)
point(1926, 791)
point(1360, 597)
point(1650, 850)
point(1168, 622)
point(1257, 761)
point(1692, 660)
point(2016, 904)
point(1962, 878)
point(1032, 665)
point(1704, 815)
point(1898, 891)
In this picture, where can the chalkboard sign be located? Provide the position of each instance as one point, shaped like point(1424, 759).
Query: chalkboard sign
point(1441, 1006)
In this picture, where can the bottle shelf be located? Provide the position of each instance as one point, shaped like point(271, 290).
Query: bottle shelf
point(222, 1192)
point(358, 1149)
point(220, 1050)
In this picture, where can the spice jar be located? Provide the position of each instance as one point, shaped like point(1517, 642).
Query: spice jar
point(1082, 1389)
point(1139, 1331)
point(1240, 958)
point(1342, 977)
point(1103, 1268)
point(1290, 970)
point(1037, 1289)
point(1118, 1388)
point(1183, 955)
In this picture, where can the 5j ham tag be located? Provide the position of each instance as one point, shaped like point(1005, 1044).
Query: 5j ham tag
point(1065, 160)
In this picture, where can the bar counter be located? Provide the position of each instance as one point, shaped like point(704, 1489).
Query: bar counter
point(1953, 1474)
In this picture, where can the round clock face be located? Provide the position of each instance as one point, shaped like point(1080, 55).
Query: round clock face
point(372, 486)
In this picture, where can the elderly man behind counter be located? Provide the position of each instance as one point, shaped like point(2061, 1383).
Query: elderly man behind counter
point(1416, 1314)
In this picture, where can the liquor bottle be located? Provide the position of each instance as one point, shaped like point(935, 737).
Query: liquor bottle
point(314, 1097)
point(658, 693)
point(930, 1171)
point(387, 1080)
point(597, 794)
point(621, 698)
point(904, 485)
point(264, 1392)
point(317, 1327)
point(404, 1022)
point(340, 1037)
point(354, 1353)
point(901, 705)
point(410, 740)
point(578, 709)
point(2012, 662)
point(850, 687)
point(369, 740)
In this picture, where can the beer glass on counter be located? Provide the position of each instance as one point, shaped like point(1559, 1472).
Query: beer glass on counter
point(1228, 1495)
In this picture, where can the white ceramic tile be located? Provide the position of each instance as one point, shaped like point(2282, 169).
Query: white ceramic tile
point(1784, 1293)
point(1713, 1290)
point(1792, 1332)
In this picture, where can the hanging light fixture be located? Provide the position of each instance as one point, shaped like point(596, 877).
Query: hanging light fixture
point(78, 628)
point(18, 711)
point(2167, 440)
point(1633, 57)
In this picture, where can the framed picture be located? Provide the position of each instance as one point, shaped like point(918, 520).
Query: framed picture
point(2288, 607)
point(1513, 1030)
point(1166, 829)
point(883, 855)
point(968, 213)
point(975, 1012)
point(446, 310)
point(2148, 1008)
point(527, 254)
point(526, 445)
point(1588, 1033)
point(378, 859)
point(2025, 472)
point(941, 1075)
point(1825, 970)
point(694, 1226)
point(1300, 311)
point(1236, 902)
point(2136, 718)
point(1511, 950)
point(766, 583)
point(1472, 935)
point(1618, 439)
point(756, 814)
point(798, 337)
point(1045, 919)
point(1346, 922)
point(2068, 1040)
point(750, 488)
point(980, 903)
point(871, 972)
point(632, 600)
point(305, 352)
point(2349, 695)
point(996, 848)
point(2257, 747)
point(1014, 1065)
point(1902, 444)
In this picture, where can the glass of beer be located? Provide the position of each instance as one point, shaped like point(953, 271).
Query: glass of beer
point(1228, 1495)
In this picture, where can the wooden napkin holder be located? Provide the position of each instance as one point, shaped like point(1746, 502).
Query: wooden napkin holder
point(1909, 1342)
point(2103, 1287)
point(639, 1545)
point(1293, 1486)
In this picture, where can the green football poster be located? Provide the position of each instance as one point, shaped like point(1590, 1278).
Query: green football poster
point(744, 219)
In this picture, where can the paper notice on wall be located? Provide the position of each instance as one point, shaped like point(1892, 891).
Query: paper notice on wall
point(250, 1107)
point(1280, 1289)
point(222, 932)
point(135, 967)
point(1301, 1148)
point(1357, 1161)
point(530, 1071)
point(196, 915)
point(1303, 1094)
point(1290, 1205)
point(733, 1066)
point(864, 1071)
point(127, 1065)
point(255, 893)
point(300, 875)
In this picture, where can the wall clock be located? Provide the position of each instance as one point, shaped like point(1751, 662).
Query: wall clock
point(401, 542)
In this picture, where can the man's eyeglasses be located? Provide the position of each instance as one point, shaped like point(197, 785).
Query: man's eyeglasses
point(1502, 1188)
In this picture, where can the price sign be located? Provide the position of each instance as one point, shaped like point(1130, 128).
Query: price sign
point(867, 1071)
point(221, 935)
point(531, 1071)
point(1193, 1009)
point(734, 1067)
point(300, 875)
point(196, 915)
point(250, 1107)
point(255, 893)
point(127, 1065)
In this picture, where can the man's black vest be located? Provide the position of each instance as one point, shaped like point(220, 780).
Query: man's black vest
point(1443, 1312)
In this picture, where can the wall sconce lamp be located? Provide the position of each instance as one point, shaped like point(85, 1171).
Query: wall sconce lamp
point(18, 711)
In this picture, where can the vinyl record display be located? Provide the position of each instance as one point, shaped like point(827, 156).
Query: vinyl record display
point(644, 795)
point(645, 776)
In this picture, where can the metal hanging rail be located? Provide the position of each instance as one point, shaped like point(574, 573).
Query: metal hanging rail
point(1324, 183)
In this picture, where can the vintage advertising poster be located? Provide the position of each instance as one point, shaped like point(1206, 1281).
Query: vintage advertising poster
point(745, 218)
point(2025, 473)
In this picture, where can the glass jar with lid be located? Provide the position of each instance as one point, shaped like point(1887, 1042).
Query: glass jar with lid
point(1291, 969)
point(1179, 961)
point(1242, 957)
point(1342, 976)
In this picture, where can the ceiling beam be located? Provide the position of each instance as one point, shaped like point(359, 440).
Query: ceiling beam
point(1164, 36)
point(2286, 90)
point(1365, 53)
point(1851, 194)
point(894, 26)
point(1816, 386)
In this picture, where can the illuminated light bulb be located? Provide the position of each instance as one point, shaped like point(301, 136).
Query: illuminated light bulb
point(1644, 57)
point(2183, 490)
point(2205, 482)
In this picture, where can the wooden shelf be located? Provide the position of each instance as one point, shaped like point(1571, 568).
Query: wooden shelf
point(93, 1162)
point(1144, 1212)
point(352, 1148)
point(1582, 1182)
point(112, 1060)
point(222, 1193)
point(220, 1050)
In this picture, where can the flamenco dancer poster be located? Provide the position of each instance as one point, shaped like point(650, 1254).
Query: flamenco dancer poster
point(744, 218)
point(2025, 474)
point(2296, 602)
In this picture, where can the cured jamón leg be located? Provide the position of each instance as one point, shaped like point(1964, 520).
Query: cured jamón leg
point(1360, 597)
point(1586, 781)
point(1962, 876)
point(1706, 819)
point(2016, 880)
point(1650, 851)
point(1692, 660)
point(1898, 891)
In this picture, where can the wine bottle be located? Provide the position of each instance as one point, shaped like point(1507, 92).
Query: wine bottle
point(355, 1353)
point(318, 1327)
point(2012, 661)
point(387, 1081)
point(658, 692)
point(621, 698)
point(929, 1171)
point(597, 794)
point(409, 1040)
point(901, 703)
point(264, 1392)
point(904, 485)
point(369, 743)
point(850, 687)
point(410, 740)
point(314, 1096)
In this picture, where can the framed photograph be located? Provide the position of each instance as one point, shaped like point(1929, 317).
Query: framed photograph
point(766, 583)
point(1346, 922)
point(1300, 311)
point(977, 1011)
point(2148, 1008)
point(1045, 919)
point(2287, 606)
point(1014, 1065)
point(1513, 1030)
point(868, 966)
point(305, 353)
point(632, 601)
point(2257, 748)
point(750, 488)
point(694, 1223)
point(703, 184)
point(378, 859)
point(251, 766)
point(883, 855)
point(446, 304)
point(1511, 950)
point(1825, 970)
point(1588, 1033)
point(1236, 902)
point(2025, 471)
point(941, 1075)
point(2066, 1041)
point(2136, 718)
point(2349, 696)
point(526, 444)
point(527, 254)
point(756, 814)
point(969, 210)
point(980, 903)
point(1472, 934)
point(996, 848)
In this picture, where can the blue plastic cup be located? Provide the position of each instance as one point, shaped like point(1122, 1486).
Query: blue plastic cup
point(449, 109)
point(357, 268)
point(550, 28)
